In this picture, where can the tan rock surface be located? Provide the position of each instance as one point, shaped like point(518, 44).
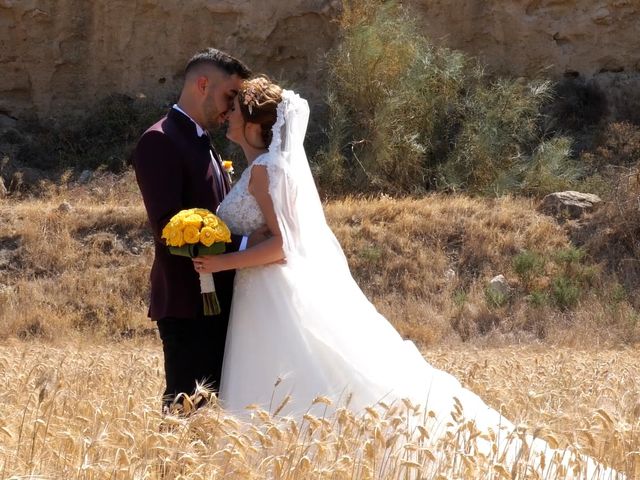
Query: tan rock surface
point(599, 40)
point(522, 37)
point(61, 55)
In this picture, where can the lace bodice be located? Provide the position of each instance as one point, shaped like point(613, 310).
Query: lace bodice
point(239, 209)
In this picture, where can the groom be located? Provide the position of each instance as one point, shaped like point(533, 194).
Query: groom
point(177, 168)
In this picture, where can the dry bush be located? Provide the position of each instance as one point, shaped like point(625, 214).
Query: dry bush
point(617, 144)
point(612, 233)
point(614, 154)
point(89, 411)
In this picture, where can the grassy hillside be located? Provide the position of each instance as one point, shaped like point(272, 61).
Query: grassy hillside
point(426, 263)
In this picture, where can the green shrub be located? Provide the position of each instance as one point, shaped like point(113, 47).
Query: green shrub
point(390, 97)
point(460, 297)
point(550, 168)
point(565, 292)
point(528, 265)
point(494, 298)
point(618, 294)
point(407, 116)
point(570, 259)
point(371, 254)
point(538, 299)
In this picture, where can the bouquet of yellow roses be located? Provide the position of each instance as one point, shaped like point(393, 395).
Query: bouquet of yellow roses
point(194, 232)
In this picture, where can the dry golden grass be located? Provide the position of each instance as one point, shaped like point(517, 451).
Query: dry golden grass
point(425, 263)
point(401, 250)
point(85, 269)
point(91, 411)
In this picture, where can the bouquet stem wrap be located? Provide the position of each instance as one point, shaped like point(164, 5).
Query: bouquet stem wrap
point(207, 285)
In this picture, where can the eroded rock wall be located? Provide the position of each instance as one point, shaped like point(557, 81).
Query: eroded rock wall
point(61, 55)
point(525, 37)
point(591, 42)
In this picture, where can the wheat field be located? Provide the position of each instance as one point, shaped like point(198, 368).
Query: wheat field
point(74, 409)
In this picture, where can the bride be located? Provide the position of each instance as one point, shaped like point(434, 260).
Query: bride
point(303, 328)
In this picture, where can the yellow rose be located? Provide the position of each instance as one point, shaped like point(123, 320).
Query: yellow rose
point(222, 233)
point(211, 220)
point(191, 234)
point(174, 224)
point(175, 220)
point(174, 236)
point(166, 231)
point(185, 213)
point(203, 212)
point(193, 220)
point(207, 236)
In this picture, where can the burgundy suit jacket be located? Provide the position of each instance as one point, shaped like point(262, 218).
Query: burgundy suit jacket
point(174, 171)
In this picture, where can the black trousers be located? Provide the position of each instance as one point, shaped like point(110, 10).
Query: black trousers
point(193, 352)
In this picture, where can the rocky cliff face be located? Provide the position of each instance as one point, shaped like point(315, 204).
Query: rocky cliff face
point(596, 42)
point(60, 55)
point(525, 37)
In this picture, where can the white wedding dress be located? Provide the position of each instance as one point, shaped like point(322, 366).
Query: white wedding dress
point(305, 329)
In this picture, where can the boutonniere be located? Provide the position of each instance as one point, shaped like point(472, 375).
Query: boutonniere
point(228, 166)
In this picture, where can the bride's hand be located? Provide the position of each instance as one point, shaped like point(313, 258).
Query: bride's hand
point(209, 264)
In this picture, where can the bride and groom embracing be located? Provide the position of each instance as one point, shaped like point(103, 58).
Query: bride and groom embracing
point(299, 327)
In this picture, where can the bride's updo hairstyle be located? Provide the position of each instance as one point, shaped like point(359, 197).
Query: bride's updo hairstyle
point(259, 98)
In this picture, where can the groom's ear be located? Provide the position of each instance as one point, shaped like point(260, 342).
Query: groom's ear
point(202, 83)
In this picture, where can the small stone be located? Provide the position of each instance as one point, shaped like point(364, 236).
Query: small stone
point(450, 274)
point(569, 204)
point(85, 176)
point(603, 17)
point(499, 285)
point(65, 207)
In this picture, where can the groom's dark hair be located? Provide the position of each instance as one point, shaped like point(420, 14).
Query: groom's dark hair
point(219, 59)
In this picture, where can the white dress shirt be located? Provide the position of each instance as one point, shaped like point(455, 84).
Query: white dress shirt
point(201, 131)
